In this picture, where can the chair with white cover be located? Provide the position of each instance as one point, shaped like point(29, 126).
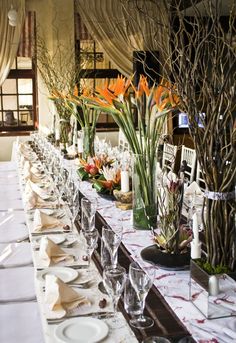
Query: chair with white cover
point(189, 156)
point(199, 179)
point(169, 156)
point(122, 142)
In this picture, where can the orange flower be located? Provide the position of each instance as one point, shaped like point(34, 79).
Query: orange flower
point(120, 87)
point(107, 184)
point(117, 178)
point(143, 85)
point(76, 91)
point(98, 162)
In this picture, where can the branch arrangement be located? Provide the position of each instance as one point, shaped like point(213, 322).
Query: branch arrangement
point(200, 58)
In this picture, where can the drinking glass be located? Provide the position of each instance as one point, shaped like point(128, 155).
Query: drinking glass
point(156, 339)
point(141, 282)
point(59, 182)
point(88, 208)
point(75, 206)
point(111, 240)
point(91, 238)
point(114, 281)
point(131, 301)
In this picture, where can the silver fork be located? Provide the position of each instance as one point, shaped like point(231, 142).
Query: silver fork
point(76, 285)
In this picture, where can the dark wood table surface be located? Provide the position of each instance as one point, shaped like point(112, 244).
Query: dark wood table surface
point(166, 323)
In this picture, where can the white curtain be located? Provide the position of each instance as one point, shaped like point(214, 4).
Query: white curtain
point(122, 27)
point(9, 35)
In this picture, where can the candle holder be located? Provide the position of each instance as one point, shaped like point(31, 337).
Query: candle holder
point(213, 295)
point(124, 199)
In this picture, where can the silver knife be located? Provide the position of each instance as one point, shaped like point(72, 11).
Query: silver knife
point(46, 233)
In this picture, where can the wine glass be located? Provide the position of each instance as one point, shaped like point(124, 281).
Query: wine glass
point(88, 208)
point(59, 182)
point(141, 282)
point(114, 281)
point(111, 240)
point(91, 238)
point(131, 302)
point(75, 206)
point(156, 339)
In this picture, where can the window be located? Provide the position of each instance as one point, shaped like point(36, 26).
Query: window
point(18, 92)
point(17, 97)
point(98, 68)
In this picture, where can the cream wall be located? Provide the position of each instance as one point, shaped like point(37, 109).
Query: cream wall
point(55, 21)
point(6, 146)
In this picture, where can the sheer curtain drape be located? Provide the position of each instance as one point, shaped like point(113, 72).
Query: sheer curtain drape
point(121, 27)
point(9, 35)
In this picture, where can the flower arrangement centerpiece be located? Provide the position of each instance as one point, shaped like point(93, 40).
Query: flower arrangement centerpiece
point(173, 237)
point(124, 101)
point(87, 118)
point(90, 168)
point(108, 181)
point(204, 70)
point(60, 74)
point(64, 114)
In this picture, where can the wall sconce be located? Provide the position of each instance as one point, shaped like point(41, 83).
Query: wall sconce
point(12, 16)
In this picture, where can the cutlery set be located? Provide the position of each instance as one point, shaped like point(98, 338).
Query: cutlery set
point(99, 315)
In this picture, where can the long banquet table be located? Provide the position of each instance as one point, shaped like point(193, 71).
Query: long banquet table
point(175, 316)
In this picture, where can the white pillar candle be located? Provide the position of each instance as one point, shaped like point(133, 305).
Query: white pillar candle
point(80, 145)
point(124, 181)
point(195, 229)
point(195, 250)
point(214, 288)
point(57, 134)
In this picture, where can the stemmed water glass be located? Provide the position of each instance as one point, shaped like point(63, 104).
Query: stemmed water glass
point(114, 281)
point(91, 238)
point(141, 281)
point(75, 206)
point(111, 240)
point(88, 208)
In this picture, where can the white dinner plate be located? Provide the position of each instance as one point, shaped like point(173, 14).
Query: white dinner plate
point(81, 330)
point(48, 211)
point(57, 239)
point(63, 273)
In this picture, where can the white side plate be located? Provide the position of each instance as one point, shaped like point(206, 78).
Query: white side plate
point(80, 330)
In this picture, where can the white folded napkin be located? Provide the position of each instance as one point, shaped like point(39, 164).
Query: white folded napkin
point(26, 170)
point(15, 255)
point(51, 252)
point(42, 221)
point(27, 323)
point(36, 171)
point(192, 189)
point(61, 297)
point(33, 200)
point(30, 187)
point(17, 284)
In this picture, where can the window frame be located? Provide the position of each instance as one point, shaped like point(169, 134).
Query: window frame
point(21, 74)
point(93, 74)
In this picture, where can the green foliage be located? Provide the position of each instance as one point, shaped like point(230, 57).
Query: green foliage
point(219, 269)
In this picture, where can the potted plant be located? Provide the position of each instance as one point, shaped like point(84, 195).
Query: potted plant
point(87, 118)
